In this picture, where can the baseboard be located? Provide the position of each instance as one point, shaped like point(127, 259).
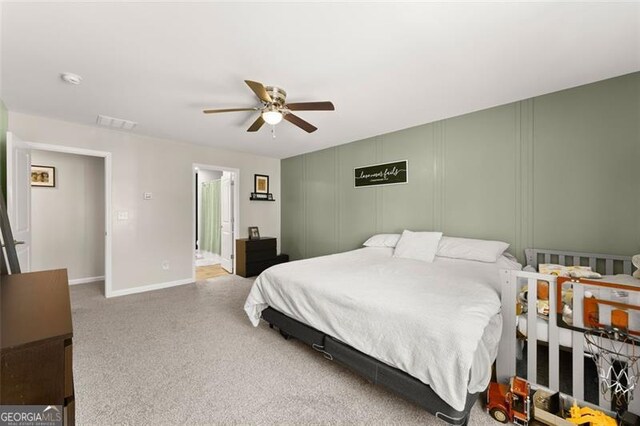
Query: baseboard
point(150, 287)
point(86, 280)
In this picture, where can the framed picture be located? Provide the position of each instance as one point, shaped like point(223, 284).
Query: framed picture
point(261, 184)
point(43, 176)
point(254, 233)
point(382, 174)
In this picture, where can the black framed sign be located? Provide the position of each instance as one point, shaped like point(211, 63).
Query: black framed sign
point(382, 174)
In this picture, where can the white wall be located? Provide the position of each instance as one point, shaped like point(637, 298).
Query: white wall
point(68, 220)
point(208, 175)
point(159, 229)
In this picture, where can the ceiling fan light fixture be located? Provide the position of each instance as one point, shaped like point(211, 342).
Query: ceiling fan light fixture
point(272, 117)
point(273, 108)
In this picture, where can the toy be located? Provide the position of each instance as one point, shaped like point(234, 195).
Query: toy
point(509, 403)
point(586, 415)
point(512, 403)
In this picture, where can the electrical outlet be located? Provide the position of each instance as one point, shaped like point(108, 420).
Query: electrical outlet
point(123, 215)
point(148, 195)
point(165, 265)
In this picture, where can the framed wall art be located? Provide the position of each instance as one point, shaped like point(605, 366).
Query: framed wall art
point(382, 174)
point(261, 184)
point(44, 176)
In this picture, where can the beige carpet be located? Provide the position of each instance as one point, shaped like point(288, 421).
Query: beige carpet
point(188, 355)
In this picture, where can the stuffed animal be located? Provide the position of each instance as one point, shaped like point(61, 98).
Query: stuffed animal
point(636, 262)
point(542, 304)
point(543, 291)
point(567, 297)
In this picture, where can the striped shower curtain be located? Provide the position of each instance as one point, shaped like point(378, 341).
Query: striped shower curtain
point(210, 217)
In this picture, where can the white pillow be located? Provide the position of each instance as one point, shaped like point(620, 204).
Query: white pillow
point(382, 240)
point(418, 245)
point(470, 249)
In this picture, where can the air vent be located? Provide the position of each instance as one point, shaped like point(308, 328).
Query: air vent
point(115, 123)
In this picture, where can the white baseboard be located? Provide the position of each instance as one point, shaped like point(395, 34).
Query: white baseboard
point(86, 280)
point(150, 287)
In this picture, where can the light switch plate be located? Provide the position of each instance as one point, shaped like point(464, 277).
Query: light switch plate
point(123, 215)
point(148, 195)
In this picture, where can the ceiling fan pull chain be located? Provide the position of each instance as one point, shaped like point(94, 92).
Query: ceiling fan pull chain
point(273, 132)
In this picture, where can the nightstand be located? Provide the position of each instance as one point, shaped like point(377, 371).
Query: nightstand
point(254, 256)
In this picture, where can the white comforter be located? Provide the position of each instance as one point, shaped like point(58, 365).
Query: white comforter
point(436, 321)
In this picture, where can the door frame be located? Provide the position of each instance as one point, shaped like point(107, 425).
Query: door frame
point(108, 255)
point(235, 212)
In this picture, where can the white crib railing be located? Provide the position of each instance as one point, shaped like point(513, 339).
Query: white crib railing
point(512, 283)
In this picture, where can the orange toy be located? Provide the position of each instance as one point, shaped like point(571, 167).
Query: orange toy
point(543, 290)
point(620, 319)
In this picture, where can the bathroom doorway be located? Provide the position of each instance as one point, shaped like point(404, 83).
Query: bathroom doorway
point(215, 220)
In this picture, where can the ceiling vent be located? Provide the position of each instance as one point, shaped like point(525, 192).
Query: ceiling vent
point(115, 123)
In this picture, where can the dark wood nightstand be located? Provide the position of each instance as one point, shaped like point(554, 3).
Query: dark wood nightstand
point(254, 256)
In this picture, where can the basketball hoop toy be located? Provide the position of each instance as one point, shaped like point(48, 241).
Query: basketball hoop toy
point(608, 319)
point(615, 354)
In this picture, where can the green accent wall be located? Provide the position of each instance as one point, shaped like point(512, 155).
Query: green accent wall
point(559, 171)
point(4, 125)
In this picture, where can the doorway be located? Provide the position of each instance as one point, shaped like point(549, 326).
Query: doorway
point(68, 215)
point(19, 197)
point(215, 204)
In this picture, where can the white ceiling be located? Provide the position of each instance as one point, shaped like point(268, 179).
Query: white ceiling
point(386, 66)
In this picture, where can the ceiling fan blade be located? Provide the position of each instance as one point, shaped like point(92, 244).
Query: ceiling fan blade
point(294, 119)
point(259, 90)
point(256, 124)
point(311, 106)
point(215, 111)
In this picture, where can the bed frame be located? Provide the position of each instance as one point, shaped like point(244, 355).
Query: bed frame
point(512, 282)
point(371, 369)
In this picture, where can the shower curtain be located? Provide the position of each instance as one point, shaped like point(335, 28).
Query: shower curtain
point(210, 217)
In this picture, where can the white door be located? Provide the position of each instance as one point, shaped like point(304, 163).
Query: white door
point(19, 197)
point(226, 220)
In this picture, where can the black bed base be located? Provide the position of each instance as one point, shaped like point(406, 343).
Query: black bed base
point(371, 369)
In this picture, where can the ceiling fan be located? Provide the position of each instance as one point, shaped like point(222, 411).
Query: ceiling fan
point(274, 108)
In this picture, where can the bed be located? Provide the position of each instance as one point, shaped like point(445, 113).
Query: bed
point(392, 320)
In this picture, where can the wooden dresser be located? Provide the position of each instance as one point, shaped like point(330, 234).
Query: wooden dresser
point(254, 256)
point(36, 350)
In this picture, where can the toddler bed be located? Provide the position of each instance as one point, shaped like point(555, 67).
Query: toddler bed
point(427, 330)
point(570, 314)
point(610, 268)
